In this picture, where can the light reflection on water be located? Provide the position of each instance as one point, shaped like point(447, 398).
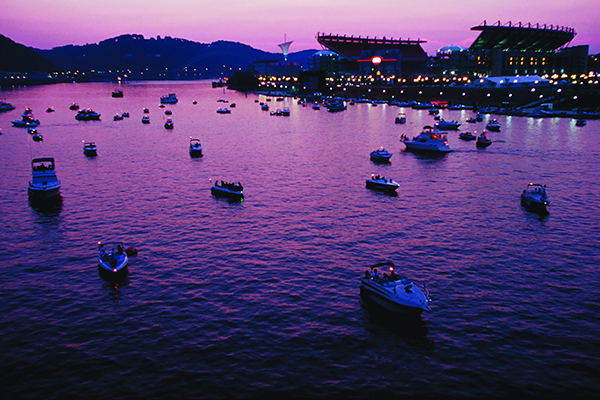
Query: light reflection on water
point(262, 296)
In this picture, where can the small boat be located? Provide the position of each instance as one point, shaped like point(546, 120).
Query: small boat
point(50, 109)
point(195, 148)
point(493, 125)
point(535, 198)
point(222, 101)
point(24, 124)
point(112, 257)
point(74, 106)
point(4, 106)
point(285, 112)
point(394, 292)
point(87, 115)
point(194, 102)
point(382, 184)
point(381, 155)
point(32, 130)
point(37, 137)
point(472, 120)
point(483, 141)
point(233, 191)
point(430, 140)
point(580, 122)
point(90, 149)
point(145, 119)
point(444, 125)
point(401, 118)
point(168, 112)
point(224, 111)
point(125, 115)
point(232, 105)
point(146, 111)
point(316, 106)
point(161, 106)
point(337, 106)
point(44, 184)
point(264, 107)
point(434, 111)
point(171, 98)
point(117, 93)
point(479, 117)
point(467, 136)
point(117, 117)
point(169, 124)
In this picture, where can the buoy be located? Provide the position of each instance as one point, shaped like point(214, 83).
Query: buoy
point(131, 251)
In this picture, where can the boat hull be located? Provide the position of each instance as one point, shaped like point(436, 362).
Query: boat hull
point(431, 148)
point(119, 264)
point(534, 204)
point(383, 299)
point(43, 193)
point(224, 192)
point(381, 187)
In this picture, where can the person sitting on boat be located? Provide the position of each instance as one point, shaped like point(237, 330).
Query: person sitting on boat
point(119, 250)
point(367, 274)
point(375, 275)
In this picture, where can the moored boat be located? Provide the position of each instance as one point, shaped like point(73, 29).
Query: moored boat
point(44, 184)
point(223, 111)
point(112, 257)
point(467, 136)
point(493, 125)
point(117, 93)
point(382, 184)
point(400, 118)
point(145, 119)
point(37, 137)
point(90, 149)
point(580, 122)
point(74, 106)
point(169, 124)
point(483, 141)
point(5, 106)
point(429, 140)
point(171, 98)
point(87, 115)
point(444, 125)
point(396, 293)
point(381, 155)
point(535, 198)
point(233, 191)
point(195, 148)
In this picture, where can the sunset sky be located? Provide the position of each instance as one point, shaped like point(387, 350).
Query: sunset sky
point(262, 24)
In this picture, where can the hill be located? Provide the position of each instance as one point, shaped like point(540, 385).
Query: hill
point(16, 57)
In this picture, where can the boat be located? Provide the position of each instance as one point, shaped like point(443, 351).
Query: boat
point(382, 184)
point(195, 148)
point(168, 112)
point(232, 105)
point(27, 120)
point(117, 93)
point(264, 107)
point(285, 112)
point(87, 115)
point(316, 106)
point(422, 106)
point(169, 124)
point(472, 120)
point(112, 257)
point(444, 125)
point(580, 122)
point(50, 109)
point(223, 111)
point(37, 137)
point(171, 98)
point(32, 130)
point(381, 155)
point(337, 106)
point(117, 117)
point(146, 111)
point(434, 111)
point(430, 140)
point(5, 106)
point(401, 118)
point(125, 115)
point(233, 191)
point(493, 125)
point(44, 184)
point(479, 117)
point(90, 149)
point(467, 136)
point(74, 106)
point(145, 119)
point(394, 292)
point(535, 198)
point(483, 141)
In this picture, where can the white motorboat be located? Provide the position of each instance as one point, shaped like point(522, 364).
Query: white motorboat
point(396, 293)
point(467, 136)
point(430, 140)
point(171, 98)
point(87, 115)
point(112, 257)
point(444, 125)
point(195, 148)
point(117, 93)
point(381, 155)
point(44, 184)
point(27, 120)
point(382, 184)
point(493, 125)
point(233, 191)
point(90, 149)
point(483, 141)
point(535, 198)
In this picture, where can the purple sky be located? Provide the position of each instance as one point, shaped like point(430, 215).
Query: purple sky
point(263, 23)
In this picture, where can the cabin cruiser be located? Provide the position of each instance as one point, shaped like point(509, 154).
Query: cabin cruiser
point(224, 111)
point(394, 292)
point(483, 141)
point(382, 184)
point(87, 115)
point(112, 257)
point(44, 184)
point(90, 149)
point(195, 148)
point(233, 191)
point(493, 125)
point(381, 155)
point(444, 125)
point(430, 140)
point(401, 118)
point(535, 198)
point(171, 98)
point(169, 124)
point(467, 136)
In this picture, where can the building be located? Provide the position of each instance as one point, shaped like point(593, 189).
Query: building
point(277, 68)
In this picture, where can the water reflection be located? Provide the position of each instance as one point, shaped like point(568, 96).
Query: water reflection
point(47, 207)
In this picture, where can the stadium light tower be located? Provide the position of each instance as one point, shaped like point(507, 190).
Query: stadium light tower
point(285, 47)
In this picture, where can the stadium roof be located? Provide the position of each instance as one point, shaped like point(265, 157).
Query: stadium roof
point(353, 47)
point(534, 37)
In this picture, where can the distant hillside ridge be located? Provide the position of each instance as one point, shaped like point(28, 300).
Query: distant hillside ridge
point(164, 57)
point(17, 57)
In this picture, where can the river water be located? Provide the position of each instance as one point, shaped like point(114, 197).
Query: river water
point(262, 297)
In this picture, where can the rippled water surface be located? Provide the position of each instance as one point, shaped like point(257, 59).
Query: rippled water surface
point(262, 297)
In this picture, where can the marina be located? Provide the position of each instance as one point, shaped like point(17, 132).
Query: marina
point(262, 296)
